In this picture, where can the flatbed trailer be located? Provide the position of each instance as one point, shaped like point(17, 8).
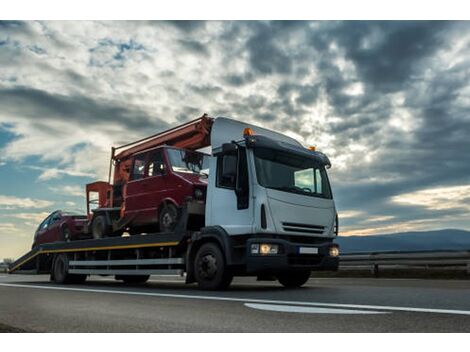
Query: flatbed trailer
point(132, 259)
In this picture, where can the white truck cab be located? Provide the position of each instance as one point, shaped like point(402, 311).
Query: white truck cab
point(270, 197)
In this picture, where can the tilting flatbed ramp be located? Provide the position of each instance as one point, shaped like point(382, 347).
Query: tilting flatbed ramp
point(103, 249)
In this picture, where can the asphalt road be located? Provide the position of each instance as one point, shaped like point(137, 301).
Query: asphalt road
point(166, 304)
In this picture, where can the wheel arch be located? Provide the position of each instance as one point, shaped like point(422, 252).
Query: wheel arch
point(207, 235)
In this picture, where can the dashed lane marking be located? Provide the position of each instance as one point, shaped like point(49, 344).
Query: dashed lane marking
point(309, 310)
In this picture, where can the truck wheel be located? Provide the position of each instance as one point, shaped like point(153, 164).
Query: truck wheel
point(60, 272)
point(294, 279)
point(210, 270)
point(133, 279)
point(99, 227)
point(168, 218)
point(66, 234)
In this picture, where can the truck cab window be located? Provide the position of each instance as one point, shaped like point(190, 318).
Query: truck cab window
point(227, 171)
point(138, 167)
point(156, 165)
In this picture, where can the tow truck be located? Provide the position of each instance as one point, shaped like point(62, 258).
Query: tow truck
point(268, 212)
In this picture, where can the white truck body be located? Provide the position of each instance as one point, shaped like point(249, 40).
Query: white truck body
point(313, 216)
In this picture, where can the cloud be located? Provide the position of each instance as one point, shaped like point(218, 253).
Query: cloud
point(12, 202)
point(69, 190)
point(387, 101)
point(439, 198)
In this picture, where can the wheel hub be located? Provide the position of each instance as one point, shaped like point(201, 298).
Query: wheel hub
point(208, 266)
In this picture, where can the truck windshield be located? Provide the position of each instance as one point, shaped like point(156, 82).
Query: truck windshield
point(290, 172)
point(188, 161)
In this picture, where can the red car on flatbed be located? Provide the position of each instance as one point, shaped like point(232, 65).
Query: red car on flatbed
point(61, 226)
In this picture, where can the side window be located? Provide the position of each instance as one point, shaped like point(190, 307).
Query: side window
point(54, 218)
point(227, 171)
point(304, 179)
point(318, 182)
point(155, 164)
point(138, 167)
point(44, 224)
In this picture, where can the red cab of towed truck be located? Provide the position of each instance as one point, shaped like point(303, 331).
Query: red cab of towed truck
point(149, 179)
point(160, 181)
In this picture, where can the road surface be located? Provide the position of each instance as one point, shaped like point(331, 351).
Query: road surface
point(166, 304)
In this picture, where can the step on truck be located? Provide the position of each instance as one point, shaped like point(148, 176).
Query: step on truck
point(236, 199)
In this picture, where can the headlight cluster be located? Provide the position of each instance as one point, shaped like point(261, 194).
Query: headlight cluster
point(199, 194)
point(264, 248)
point(334, 251)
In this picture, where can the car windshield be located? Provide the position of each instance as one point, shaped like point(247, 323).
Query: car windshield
point(188, 161)
point(290, 172)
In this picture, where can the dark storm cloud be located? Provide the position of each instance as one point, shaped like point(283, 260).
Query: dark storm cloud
point(266, 54)
point(31, 103)
point(194, 47)
point(186, 26)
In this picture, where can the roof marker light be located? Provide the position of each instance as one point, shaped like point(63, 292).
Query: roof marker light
point(248, 132)
point(312, 148)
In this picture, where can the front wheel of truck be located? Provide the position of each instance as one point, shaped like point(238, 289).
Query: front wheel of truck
point(293, 279)
point(210, 270)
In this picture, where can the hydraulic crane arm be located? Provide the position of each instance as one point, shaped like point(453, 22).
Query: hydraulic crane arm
point(193, 135)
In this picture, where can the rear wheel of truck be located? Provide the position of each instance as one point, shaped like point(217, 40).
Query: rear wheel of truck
point(99, 227)
point(60, 272)
point(210, 270)
point(133, 279)
point(293, 279)
point(168, 218)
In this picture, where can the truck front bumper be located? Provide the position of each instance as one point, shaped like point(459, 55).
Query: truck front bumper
point(290, 257)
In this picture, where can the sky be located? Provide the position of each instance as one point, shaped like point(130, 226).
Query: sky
point(388, 102)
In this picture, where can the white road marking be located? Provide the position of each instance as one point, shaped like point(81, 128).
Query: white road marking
point(310, 310)
point(244, 300)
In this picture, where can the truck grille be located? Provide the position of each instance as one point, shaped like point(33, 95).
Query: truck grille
point(304, 228)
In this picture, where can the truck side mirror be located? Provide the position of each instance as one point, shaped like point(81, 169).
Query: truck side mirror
point(229, 169)
point(229, 148)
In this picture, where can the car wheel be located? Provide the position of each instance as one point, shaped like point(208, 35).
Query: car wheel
point(210, 270)
point(66, 234)
point(294, 279)
point(168, 218)
point(99, 227)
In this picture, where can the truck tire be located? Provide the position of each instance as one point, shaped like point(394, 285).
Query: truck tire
point(294, 279)
point(168, 218)
point(133, 279)
point(210, 270)
point(99, 227)
point(60, 272)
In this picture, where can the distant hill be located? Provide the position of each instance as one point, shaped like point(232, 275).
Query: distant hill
point(448, 239)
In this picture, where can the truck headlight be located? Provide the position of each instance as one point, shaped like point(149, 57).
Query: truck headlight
point(264, 248)
point(199, 194)
point(334, 251)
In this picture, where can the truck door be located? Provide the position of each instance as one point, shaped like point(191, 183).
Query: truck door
point(136, 191)
point(229, 203)
point(154, 185)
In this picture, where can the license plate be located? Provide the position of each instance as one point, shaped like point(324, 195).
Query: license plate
point(308, 250)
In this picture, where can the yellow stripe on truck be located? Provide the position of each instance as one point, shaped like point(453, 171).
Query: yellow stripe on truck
point(145, 245)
